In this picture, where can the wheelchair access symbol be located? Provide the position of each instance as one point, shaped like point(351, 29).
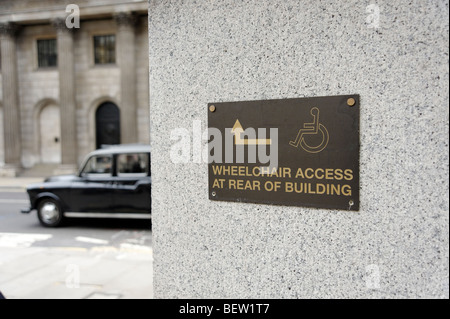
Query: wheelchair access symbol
point(313, 128)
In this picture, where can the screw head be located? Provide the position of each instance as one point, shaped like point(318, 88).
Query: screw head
point(213, 194)
point(351, 101)
point(212, 108)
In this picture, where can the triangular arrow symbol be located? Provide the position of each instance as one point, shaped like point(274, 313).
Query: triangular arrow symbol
point(237, 127)
point(237, 130)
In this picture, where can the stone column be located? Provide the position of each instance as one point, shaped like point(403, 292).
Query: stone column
point(11, 106)
point(127, 61)
point(67, 101)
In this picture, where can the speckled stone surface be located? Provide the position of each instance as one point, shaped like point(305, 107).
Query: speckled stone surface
point(397, 245)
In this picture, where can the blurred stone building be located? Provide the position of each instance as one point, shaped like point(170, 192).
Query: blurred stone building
point(66, 89)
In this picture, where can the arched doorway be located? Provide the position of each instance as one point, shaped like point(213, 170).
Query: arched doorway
point(107, 124)
point(50, 134)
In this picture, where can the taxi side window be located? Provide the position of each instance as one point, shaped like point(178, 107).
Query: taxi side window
point(132, 164)
point(98, 165)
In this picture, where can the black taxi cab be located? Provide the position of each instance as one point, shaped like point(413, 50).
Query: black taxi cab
point(113, 182)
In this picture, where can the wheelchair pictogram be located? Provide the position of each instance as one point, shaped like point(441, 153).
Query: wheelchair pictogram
point(313, 128)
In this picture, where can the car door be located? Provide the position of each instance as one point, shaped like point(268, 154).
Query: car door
point(133, 183)
point(93, 191)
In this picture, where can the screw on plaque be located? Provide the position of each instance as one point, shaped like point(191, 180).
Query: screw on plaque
point(351, 101)
point(212, 108)
point(351, 203)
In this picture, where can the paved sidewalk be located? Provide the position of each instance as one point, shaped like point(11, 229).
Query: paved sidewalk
point(76, 273)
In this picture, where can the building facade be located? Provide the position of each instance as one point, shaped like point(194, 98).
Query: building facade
point(72, 77)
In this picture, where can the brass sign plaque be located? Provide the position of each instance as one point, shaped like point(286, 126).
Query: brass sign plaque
point(297, 152)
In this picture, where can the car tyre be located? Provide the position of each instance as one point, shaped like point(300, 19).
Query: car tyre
point(50, 213)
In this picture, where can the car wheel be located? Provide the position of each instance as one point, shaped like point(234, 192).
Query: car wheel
point(50, 213)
